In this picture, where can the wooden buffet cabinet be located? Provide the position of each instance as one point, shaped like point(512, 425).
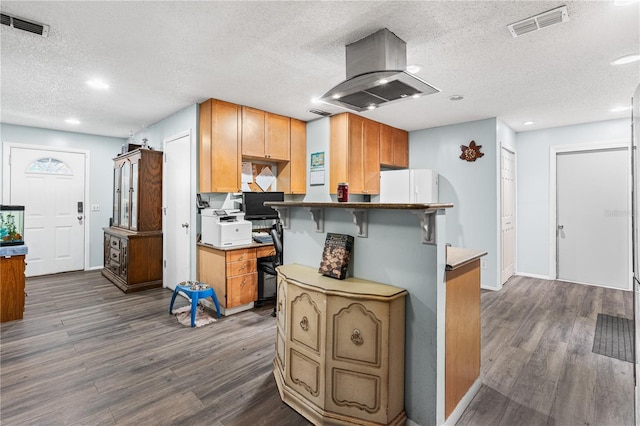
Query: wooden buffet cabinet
point(232, 272)
point(230, 132)
point(340, 348)
point(133, 244)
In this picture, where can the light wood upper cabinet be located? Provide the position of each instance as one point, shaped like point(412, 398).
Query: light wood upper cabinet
point(277, 137)
point(219, 145)
point(298, 163)
point(394, 147)
point(253, 125)
point(355, 154)
point(265, 135)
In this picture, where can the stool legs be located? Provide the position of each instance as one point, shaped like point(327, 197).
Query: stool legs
point(194, 307)
point(215, 301)
point(173, 299)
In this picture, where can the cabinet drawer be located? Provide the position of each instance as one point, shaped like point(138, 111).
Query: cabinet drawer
point(265, 251)
point(242, 289)
point(238, 255)
point(114, 255)
point(115, 243)
point(242, 267)
point(114, 267)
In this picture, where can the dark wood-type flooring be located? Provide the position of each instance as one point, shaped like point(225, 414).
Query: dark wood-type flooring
point(88, 354)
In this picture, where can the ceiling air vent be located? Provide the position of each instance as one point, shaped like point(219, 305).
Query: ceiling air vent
point(320, 112)
point(538, 22)
point(25, 25)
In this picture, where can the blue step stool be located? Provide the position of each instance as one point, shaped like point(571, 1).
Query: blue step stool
point(196, 291)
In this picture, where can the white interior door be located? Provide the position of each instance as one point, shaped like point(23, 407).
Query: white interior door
point(178, 202)
point(50, 184)
point(507, 200)
point(592, 200)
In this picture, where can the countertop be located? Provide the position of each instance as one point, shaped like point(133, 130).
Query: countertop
point(349, 205)
point(14, 250)
point(457, 256)
point(244, 246)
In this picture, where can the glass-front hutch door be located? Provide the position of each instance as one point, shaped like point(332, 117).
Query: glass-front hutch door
point(125, 190)
point(134, 194)
point(116, 195)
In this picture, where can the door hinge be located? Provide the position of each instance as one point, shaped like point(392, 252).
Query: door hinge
point(164, 263)
point(165, 157)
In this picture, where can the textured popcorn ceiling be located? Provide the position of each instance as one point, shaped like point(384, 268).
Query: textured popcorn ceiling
point(160, 57)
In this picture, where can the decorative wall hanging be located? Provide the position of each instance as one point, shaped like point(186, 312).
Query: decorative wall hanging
point(471, 152)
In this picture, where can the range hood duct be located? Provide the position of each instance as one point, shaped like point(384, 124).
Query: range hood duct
point(376, 74)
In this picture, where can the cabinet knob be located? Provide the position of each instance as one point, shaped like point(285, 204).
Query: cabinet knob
point(304, 324)
point(356, 338)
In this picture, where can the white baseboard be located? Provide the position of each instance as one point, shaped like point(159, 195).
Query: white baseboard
point(540, 277)
point(410, 422)
point(94, 268)
point(464, 403)
point(226, 312)
point(484, 287)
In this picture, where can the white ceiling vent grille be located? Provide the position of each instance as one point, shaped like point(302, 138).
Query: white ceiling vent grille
point(538, 22)
point(25, 25)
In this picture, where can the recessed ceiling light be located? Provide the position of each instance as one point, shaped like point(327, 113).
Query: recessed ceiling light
point(527, 123)
point(414, 69)
point(72, 121)
point(96, 83)
point(626, 59)
point(620, 109)
point(456, 98)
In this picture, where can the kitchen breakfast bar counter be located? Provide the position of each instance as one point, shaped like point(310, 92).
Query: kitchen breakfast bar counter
point(401, 245)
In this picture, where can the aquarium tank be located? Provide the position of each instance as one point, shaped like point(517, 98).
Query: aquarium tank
point(11, 225)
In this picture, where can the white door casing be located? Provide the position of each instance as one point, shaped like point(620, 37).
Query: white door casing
point(592, 200)
point(178, 202)
point(50, 184)
point(507, 213)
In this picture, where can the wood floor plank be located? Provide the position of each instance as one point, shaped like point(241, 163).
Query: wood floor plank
point(88, 354)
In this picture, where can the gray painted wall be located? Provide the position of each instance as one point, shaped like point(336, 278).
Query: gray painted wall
point(102, 150)
point(533, 185)
point(472, 187)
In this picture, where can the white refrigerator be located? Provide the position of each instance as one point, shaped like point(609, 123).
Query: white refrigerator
point(409, 186)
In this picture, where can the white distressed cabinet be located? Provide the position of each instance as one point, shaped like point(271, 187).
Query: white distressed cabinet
point(340, 348)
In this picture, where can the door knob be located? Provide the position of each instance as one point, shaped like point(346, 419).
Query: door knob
point(560, 227)
point(185, 225)
point(79, 217)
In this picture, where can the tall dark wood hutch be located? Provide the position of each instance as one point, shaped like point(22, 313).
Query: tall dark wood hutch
point(133, 244)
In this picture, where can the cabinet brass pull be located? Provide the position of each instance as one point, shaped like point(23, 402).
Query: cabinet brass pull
point(243, 282)
point(279, 306)
point(304, 324)
point(356, 338)
point(244, 266)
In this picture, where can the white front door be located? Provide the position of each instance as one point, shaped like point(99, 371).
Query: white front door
point(592, 200)
point(508, 200)
point(50, 185)
point(178, 202)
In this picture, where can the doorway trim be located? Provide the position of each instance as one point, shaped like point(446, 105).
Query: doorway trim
point(580, 147)
point(515, 211)
point(6, 184)
point(192, 211)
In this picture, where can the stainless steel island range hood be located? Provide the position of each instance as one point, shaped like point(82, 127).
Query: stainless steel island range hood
point(376, 74)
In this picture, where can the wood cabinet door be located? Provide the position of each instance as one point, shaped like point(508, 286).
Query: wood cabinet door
point(371, 157)
point(253, 132)
point(400, 142)
point(242, 289)
point(204, 147)
point(277, 137)
point(225, 147)
point(386, 145)
point(298, 158)
point(211, 270)
point(355, 162)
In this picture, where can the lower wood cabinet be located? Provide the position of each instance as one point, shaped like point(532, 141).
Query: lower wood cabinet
point(133, 260)
point(233, 273)
point(340, 348)
point(12, 283)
